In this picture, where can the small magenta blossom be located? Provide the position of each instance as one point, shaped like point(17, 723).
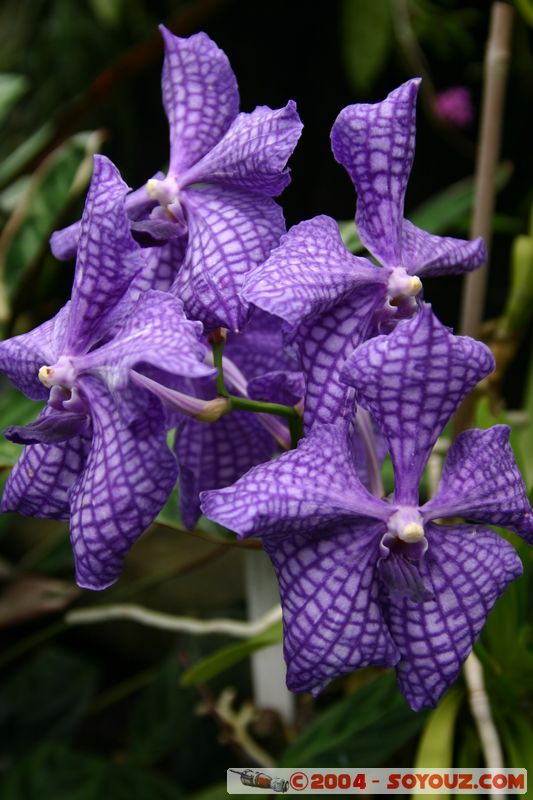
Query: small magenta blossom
point(371, 581)
point(97, 454)
point(215, 203)
point(454, 106)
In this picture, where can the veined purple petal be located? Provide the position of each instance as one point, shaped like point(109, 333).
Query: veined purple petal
point(108, 258)
point(375, 144)
point(40, 482)
point(161, 266)
point(212, 456)
point(425, 255)
point(281, 386)
point(324, 343)
point(229, 233)
point(64, 243)
point(200, 96)
point(480, 481)
point(332, 619)
point(128, 477)
point(253, 153)
point(156, 332)
point(259, 347)
point(412, 381)
point(309, 272)
point(303, 490)
point(21, 357)
point(467, 568)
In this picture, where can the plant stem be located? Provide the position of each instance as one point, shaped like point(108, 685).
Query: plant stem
point(239, 403)
point(218, 352)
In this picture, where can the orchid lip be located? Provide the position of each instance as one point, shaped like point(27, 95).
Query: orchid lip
point(62, 373)
point(406, 524)
point(401, 284)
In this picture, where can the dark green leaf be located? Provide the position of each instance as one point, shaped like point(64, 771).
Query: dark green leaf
point(12, 87)
point(366, 36)
point(62, 176)
point(156, 726)
point(225, 658)
point(45, 700)
point(364, 728)
point(57, 772)
point(435, 748)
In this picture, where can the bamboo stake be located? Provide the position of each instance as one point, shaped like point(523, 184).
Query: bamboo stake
point(496, 67)
point(473, 300)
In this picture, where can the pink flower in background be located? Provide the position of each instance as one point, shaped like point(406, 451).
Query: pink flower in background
point(454, 106)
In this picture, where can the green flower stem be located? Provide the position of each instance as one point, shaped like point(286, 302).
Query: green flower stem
point(237, 403)
point(218, 351)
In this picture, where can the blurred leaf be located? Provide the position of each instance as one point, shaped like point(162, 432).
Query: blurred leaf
point(59, 178)
point(517, 737)
point(16, 161)
point(526, 435)
point(366, 33)
point(225, 658)
point(12, 87)
point(519, 305)
point(443, 210)
point(156, 725)
point(130, 782)
point(56, 772)
point(108, 12)
point(216, 792)
point(366, 728)
point(438, 214)
point(525, 7)
point(45, 699)
point(31, 596)
point(435, 748)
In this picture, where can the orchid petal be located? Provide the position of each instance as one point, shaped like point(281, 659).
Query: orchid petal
point(212, 456)
point(480, 481)
point(309, 273)
point(108, 258)
point(21, 357)
point(200, 96)
point(466, 568)
point(40, 482)
point(332, 620)
point(412, 381)
point(375, 144)
point(303, 490)
point(64, 243)
point(128, 477)
point(426, 255)
point(229, 233)
point(156, 332)
point(253, 153)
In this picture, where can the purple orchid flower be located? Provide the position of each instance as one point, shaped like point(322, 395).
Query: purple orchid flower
point(224, 170)
point(331, 300)
point(368, 581)
point(97, 454)
point(215, 455)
